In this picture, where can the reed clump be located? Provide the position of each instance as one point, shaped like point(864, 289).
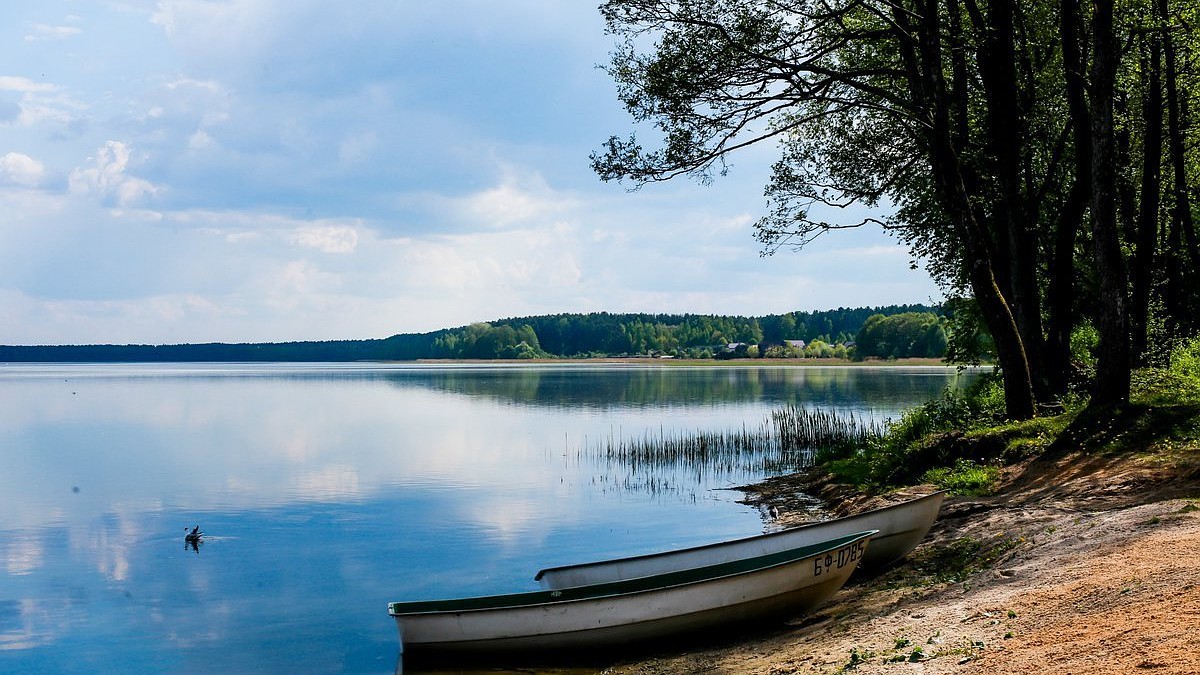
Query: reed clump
point(787, 440)
point(813, 431)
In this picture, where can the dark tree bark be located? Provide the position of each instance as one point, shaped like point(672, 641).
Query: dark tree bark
point(1113, 368)
point(1182, 222)
point(948, 169)
point(1148, 216)
point(1017, 247)
point(1174, 296)
point(1060, 291)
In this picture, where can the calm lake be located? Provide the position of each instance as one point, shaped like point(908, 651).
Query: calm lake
point(327, 490)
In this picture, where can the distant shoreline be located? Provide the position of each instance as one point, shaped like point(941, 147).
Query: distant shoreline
point(645, 360)
point(615, 360)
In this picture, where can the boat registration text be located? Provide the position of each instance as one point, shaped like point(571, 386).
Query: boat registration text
point(836, 561)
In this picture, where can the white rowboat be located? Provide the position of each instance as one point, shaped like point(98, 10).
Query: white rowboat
point(673, 604)
point(901, 527)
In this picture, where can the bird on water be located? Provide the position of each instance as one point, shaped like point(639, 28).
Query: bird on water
point(193, 539)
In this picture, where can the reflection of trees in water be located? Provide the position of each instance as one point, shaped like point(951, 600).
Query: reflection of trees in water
point(679, 463)
point(631, 387)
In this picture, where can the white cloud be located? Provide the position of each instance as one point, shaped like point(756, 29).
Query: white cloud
point(296, 282)
point(23, 84)
point(46, 103)
point(42, 31)
point(19, 169)
point(328, 239)
point(186, 83)
point(504, 205)
point(200, 140)
point(245, 228)
point(519, 199)
point(155, 318)
point(107, 177)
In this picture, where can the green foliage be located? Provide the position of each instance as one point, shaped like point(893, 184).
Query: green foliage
point(856, 659)
point(918, 442)
point(691, 335)
point(1185, 359)
point(980, 404)
point(1178, 383)
point(779, 327)
point(818, 349)
point(783, 351)
point(959, 440)
point(964, 478)
point(485, 341)
point(1084, 341)
point(1026, 438)
point(967, 339)
point(910, 334)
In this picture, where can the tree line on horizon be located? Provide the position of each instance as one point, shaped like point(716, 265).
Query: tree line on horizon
point(694, 336)
point(595, 334)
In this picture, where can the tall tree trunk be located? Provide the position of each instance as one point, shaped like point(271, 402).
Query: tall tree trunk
point(1147, 230)
point(1126, 186)
point(1019, 401)
point(1060, 292)
point(1175, 294)
point(1011, 220)
point(1113, 364)
point(1181, 211)
point(921, 38)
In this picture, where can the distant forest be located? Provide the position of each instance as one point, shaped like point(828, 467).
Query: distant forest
point(558, 335)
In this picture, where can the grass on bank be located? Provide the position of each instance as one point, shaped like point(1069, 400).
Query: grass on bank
point(959, 441)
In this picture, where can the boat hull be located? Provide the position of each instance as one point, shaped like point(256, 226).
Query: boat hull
point(667, 606)
point(901, 527)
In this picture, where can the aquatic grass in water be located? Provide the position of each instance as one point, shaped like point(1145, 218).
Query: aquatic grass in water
point(813, 431)
point(786, 441)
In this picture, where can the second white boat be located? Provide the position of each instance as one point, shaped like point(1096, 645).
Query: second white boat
point(901, 527)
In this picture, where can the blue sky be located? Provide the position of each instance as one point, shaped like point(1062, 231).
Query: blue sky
point(270, 170)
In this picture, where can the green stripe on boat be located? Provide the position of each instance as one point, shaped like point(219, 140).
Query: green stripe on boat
point(648, 583)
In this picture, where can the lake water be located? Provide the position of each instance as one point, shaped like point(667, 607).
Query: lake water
point(327, 490)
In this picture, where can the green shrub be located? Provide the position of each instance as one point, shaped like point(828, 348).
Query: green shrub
point(1177, 383)
point(1084, 341)
point(1185, 360)
point(964, 478)
point(914, 444)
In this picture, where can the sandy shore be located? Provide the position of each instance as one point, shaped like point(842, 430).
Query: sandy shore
point(1083, 565)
